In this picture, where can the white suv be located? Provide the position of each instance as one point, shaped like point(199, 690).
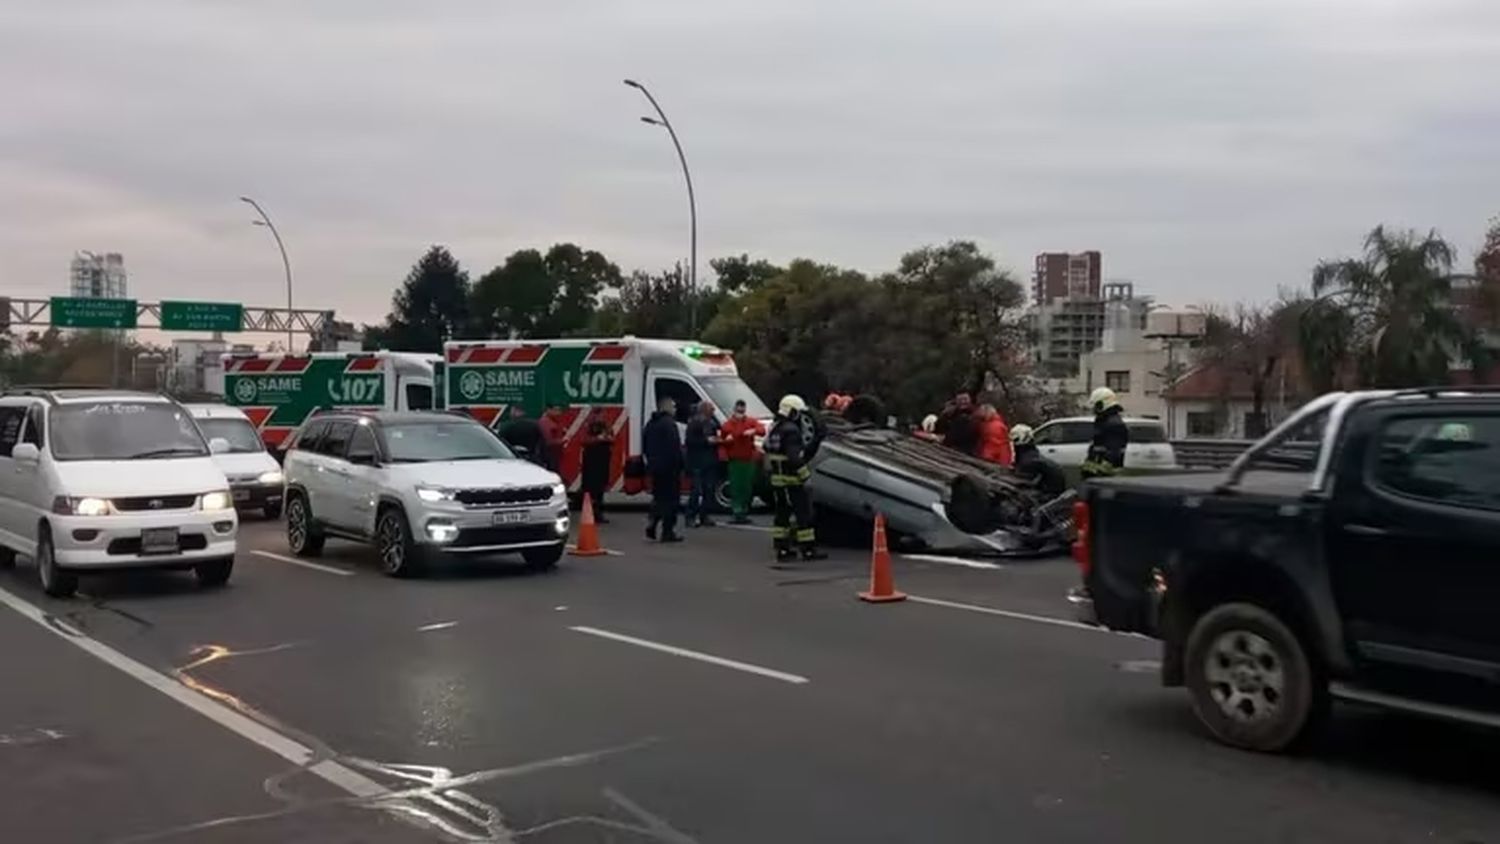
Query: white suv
point(96, 479)
point(417, 485)
point(1066, 442)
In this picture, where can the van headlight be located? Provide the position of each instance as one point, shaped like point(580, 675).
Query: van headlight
point(433, 494)
point(272, 477)
point(217, 500)
point(559, 490)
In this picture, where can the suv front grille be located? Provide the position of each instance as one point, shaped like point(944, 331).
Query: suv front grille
point(155, 502)
point(504, 535)
point(503, 496)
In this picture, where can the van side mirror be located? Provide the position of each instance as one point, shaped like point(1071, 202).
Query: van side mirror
point(218, 445)
point(26, 453)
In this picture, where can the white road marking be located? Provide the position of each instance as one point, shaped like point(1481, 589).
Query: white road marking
point(304, 563)
point(952, 561)
point(756, 528)
point(1018, 616)
point(247, 728)
point(698, 655)
point(441, 625)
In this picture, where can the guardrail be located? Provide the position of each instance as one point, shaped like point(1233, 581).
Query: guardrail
point(1218, 454)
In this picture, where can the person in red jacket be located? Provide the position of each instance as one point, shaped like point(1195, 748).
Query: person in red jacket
point(994, 436)
point(737, 438)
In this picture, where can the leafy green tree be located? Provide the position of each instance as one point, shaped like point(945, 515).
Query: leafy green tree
point(1393, 308)
point(739, 275)
point(536, 295)
point(431, 306)
point(654, 305)
point(580, 277)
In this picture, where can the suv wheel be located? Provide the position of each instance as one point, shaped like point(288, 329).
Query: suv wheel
point(302, 536)
point(57, 582)
point(7, 558)
point(544, 558)
point(1250, 679)
point(214, 572)
point(399, 555)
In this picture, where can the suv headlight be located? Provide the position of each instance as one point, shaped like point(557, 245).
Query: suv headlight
point(272, 477)
point(217, 500)
point(434, 493)
point(559, 490)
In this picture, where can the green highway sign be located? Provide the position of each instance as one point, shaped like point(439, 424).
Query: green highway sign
point(82, 312)
point(202, 316)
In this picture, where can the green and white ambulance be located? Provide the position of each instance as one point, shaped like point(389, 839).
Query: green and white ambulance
point(618, 380)
point(278, 392)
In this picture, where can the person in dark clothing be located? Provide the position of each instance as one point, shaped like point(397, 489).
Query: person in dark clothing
point(1111, 436)
point(1032, 467)
point(958, 427)
point(554, 437)
point(598, 447)
point(524, 435)
point(793, 440)
point(701, 444)
point(661, 447)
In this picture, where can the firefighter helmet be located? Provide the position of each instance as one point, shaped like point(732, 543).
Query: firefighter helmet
point(791, 403)
point(1021, 434)
point(1103, 399)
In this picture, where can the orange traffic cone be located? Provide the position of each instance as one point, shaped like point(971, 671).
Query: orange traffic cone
point(588, 533)
point(882, 585)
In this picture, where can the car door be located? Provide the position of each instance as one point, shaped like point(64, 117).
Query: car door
point(360, 491)
point(331, 501)
point(15, 479)
point(1148, 447)
point(1066, 441)
point(1415, 545)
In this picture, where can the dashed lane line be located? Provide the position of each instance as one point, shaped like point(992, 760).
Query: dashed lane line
point(1011, 614)
point(304, 563)
point(965, 562)
point(720, 661)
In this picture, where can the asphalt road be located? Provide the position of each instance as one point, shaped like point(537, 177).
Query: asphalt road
point(663, 693)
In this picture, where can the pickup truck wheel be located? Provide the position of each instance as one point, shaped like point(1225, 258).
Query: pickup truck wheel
point(302, 535)
point(1250, 679)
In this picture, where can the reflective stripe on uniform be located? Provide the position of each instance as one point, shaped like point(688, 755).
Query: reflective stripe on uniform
point(778, 532)
point(806, 535)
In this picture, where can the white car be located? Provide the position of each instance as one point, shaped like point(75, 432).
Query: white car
point(94, 480)
point(254, 476)
point(1066, 442)
point(418, 486)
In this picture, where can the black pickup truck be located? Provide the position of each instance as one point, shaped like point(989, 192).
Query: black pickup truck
point(1354, 553)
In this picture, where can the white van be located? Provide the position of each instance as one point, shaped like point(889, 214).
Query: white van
point(1066, 442)
point(255, 479)
point(95, 480)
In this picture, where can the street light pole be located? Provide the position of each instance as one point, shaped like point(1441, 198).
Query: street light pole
point(662, 121)
point(265, 220)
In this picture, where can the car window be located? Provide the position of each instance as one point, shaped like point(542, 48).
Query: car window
point(418, 396)
point(680, 391)
point(336, 438)
point(307, 438)
point(1451, 459)
point(427, 442)
point(10, 428)
point(1065, 433)
point(1146, 432)
point(239, 433)
point(124, 430)
point(362, 444)
point(35, 432)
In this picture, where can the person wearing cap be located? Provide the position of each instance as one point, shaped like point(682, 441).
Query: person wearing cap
point(1106, 455)
point(790, 445)
point(1032, 467)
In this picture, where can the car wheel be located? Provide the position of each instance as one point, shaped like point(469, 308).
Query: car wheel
point(57, 582)
point(271, 511)
point(1251, 682)
point(723, 502)
point(399, 555)
point(7, 558)
point(302, 536)
point(543, 559)
point(214, 572)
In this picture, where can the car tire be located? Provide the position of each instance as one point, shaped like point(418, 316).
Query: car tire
point(7, 558)
point(57, 582)
point(1251, 681)
point(213, 573)
point(302, 534)
point(271, 511)
point(544, 558)
point(400, 555)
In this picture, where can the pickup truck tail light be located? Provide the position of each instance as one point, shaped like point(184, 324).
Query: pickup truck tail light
point(1083, 549)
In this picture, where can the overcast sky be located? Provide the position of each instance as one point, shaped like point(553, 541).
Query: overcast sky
point(1213, 150)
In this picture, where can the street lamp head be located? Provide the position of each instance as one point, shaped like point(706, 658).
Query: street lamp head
point(632, 83)
point(257, 222)
point(247, 199)
point(653, 121)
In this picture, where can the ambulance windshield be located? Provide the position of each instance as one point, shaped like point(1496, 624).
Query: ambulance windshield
point(725, 390)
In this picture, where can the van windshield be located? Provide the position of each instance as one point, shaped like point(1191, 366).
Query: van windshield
point(124, 430)
point(725, 390)
point(238, 432)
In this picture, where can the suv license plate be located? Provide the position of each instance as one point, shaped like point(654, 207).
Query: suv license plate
point(509, 518)
point(159, 541)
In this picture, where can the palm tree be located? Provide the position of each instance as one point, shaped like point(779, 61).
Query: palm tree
point(1387, 318)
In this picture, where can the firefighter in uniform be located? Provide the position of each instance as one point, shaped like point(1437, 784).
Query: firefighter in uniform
point(1106, 454)
point(794, 438)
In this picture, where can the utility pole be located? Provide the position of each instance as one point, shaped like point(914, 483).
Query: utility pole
point(662, 121)
point(265, 220)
